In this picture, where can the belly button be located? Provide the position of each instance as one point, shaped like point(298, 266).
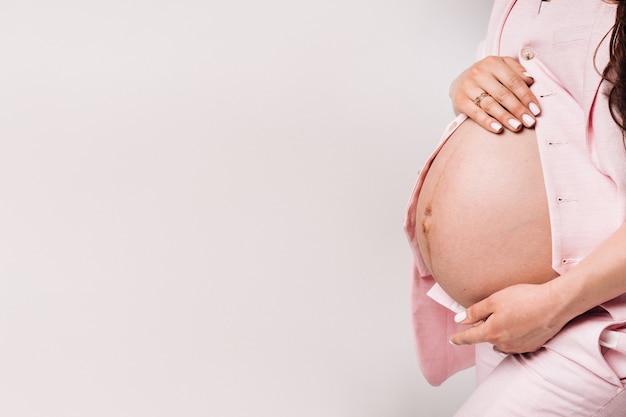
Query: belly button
point(426, 221)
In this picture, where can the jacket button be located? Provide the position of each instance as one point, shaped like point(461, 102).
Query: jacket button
point(528, 53)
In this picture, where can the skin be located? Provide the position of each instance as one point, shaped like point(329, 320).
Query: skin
point(509, 102)
point(523, 317)
point(451, 228)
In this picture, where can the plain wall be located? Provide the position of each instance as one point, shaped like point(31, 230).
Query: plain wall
point(201, 204)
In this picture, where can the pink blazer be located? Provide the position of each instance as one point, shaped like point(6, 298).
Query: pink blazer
point(584, 168)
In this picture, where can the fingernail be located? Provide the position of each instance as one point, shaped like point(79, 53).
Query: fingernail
point(460, 317)
point(526, 74)
point(534, 108)
point(497, 127)
point(528, 121)
point(514, 123)
point(451, 342)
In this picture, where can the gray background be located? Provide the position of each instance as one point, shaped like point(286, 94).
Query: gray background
point(201, 204)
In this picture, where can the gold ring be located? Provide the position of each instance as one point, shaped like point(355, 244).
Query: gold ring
point(480, 98)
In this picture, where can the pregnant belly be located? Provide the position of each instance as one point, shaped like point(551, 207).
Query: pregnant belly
point(482, 220)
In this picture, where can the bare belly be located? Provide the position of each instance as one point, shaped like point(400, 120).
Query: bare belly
point(482, 220)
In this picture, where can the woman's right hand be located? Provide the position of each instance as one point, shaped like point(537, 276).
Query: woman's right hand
point(495, 93)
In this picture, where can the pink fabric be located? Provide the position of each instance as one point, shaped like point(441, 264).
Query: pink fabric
point(550, 383)
point(544, 384)
point(584, 167)
point(433, 322)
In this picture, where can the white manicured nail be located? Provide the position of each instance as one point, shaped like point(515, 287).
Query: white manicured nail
point(452, 343)
point(528, 121)
point(514, 123)
point(534, 108)
point(460, 317)
point(526, 74)
point(497, 127)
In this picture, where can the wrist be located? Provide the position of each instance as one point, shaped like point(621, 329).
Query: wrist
point(569, 298)
point(571, 295)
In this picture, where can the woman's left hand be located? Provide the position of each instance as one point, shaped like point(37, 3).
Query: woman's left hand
point(517, 319)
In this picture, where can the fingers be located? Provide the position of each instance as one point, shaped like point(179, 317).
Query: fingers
point(480, 333)
point(514, 92)
point(477, 316)
point(510, 103)
point(475, 313)
point(473, 335)
point(476, 113)
point(510, 98)
point(464, 93)
point(505, 107)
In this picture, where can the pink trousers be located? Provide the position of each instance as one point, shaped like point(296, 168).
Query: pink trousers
point(566, 377)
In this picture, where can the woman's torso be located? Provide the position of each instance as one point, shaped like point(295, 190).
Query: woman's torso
point(482, 219)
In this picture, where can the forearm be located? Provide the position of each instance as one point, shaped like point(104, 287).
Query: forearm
point(599, 277)
point(522, 317)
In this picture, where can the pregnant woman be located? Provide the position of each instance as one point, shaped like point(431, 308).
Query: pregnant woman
point(517, 218)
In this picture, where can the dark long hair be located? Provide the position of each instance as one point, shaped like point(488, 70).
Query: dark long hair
point(615, 71)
